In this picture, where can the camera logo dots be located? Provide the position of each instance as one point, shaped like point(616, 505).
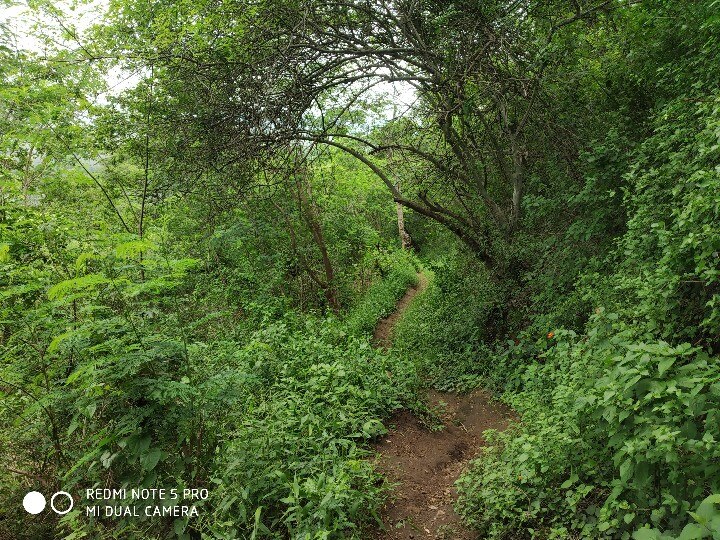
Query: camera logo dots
point(63, 510)
point(34, 502)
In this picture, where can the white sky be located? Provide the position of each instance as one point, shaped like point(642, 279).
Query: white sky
point(79, 16)
point(22, 22)
point(21, 19)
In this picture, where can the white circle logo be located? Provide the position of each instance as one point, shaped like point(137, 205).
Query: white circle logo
point(34, 502)
point(52, 502)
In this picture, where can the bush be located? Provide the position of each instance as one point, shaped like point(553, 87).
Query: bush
point(399, 269)
point(137, 392)
point(294, 465)
point(462, 302)
point(614, 433)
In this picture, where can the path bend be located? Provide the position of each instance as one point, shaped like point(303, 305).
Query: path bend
point(424, 465)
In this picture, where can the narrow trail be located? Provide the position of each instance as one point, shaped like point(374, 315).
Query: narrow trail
point(384, 329)
point(425, 464)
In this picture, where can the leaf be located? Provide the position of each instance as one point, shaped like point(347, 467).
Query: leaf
point(373, 428)
point(150, 460)
point(665, 364)
point(258, 525)
point(73, 426)
point(80, 262)
point(625, 470)
point(132, 249)
point(82, 370)
point(64, 288)
point(57, 340)
point(90, 410)
point(707, 509)
point(646, 534)
point(569, 482)
point(642, 472)
point(179, 526)
point(692, 531)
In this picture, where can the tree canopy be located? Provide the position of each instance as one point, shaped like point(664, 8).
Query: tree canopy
point(207, 208)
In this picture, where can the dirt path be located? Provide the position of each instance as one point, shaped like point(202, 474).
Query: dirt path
point(425, 464)
point(383, 331)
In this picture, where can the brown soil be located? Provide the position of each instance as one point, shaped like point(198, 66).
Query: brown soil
point(424, 464)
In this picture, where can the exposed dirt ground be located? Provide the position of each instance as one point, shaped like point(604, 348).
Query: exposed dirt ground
point(425, 464)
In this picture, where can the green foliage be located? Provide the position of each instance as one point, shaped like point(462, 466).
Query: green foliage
point(616, 372)
point(671, 248)
point(400, 272)
point(123, 381)
point(613, 432)
point(706, 525)
point(296, 458)
point(460, 300)
point(197, 355)
point(189, 282)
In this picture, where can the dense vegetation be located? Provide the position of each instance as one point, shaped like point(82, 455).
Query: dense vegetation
point(191, 268)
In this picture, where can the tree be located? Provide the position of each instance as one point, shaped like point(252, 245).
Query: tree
point(244, 81)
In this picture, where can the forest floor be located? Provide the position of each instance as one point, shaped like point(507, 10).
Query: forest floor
point(424, 464)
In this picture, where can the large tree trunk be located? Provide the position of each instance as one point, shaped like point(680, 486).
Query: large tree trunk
point(309, 212)
point(405, 239)
point(518, 177)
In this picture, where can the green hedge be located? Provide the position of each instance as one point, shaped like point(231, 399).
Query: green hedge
point(401, 272)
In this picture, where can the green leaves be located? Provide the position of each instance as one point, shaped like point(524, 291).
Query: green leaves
point(132, 249)
point(706, 516)
point(195, 352)
point(647, 534)
point(610, 426)
point(76, 285)
point(373, 428)
point(297, 453)
point(665, 364)
point(379, 301)
point(149, 460)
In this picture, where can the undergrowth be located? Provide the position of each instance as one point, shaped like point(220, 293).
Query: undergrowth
point(612, 361)
point(400, 272)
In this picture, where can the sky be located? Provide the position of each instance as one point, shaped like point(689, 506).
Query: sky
point(79, 16)
point(22, 20)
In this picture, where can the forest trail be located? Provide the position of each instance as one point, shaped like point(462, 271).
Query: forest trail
point(383, 331)
point(424, 464)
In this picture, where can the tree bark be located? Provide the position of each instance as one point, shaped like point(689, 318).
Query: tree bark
point(309, 213)
point(518, 179)
point(405, 239)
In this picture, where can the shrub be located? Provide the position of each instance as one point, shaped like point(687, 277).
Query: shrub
point(614, 433)
point(462, 302)
point(400, 272)
point(296, 461)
